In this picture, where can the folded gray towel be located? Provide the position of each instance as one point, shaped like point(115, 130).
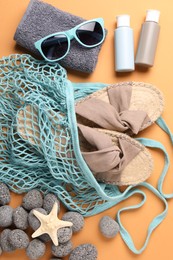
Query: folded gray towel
point(41, 19)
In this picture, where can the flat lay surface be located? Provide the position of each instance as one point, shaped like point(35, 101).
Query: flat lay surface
point(160, 75)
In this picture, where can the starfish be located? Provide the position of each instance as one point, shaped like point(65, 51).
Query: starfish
point(50, 224)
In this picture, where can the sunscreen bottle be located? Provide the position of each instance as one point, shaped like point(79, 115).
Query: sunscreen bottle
point(148, 39)
point(124, 44)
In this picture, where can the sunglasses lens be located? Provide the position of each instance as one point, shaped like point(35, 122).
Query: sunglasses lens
point(90, 33)
point(55, 47)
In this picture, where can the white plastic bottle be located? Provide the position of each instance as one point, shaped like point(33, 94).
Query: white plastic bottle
point(124, 44)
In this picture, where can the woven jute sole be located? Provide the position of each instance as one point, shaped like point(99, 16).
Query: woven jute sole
point(28, 127)
point(138, 169)
point(145, 97)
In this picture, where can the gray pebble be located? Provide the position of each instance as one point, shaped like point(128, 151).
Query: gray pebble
point(54, 258)
point(6, 213)
point(35, 223)
point(64, 234)
point(20, 218)
point(45, 238)
point(4, 241)
point(84, 252)
point(76, 218)
point(33, 199)
point(49, 201)
point(18, 239)
point(4, 194)
point(35, 249)
point(33, 220)
point(62, 249)
point(108, 227)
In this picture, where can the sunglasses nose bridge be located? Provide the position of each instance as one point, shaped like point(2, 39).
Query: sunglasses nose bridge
point(70, 34)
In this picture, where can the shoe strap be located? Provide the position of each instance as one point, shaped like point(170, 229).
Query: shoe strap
point(109, 109)
point(105, 158)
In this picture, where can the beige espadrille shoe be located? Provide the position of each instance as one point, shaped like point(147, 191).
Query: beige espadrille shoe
point(126, 107)
point(113, 157)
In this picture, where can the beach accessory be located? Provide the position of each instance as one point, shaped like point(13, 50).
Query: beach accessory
point(148, 39)
point(42, 19)
point(50, 224)
point(124, 44)
point(56, 46)
point(51, 165)
point(126, 107)
point(26, 82)
point(113, 157)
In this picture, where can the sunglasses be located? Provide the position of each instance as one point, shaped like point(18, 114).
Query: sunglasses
point(56, 46)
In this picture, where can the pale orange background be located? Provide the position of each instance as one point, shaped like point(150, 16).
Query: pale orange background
point(161, 242)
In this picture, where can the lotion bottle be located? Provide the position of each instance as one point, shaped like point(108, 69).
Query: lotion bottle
point(148, 39)
point(124, 44)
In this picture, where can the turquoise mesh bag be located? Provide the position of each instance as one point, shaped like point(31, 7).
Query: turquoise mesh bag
point(39, 146)
point(39, 140)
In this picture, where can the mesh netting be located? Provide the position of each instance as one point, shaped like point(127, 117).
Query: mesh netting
point(38, 136)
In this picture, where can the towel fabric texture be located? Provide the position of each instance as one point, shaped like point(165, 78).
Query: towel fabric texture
point(41, 19)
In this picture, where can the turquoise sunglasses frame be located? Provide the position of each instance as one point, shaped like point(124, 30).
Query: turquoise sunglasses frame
point(70, 34)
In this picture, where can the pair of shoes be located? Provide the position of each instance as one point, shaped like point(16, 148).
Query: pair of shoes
point(106, 120)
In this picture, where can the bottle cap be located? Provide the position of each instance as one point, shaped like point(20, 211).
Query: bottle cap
point(153, 16)
point(123, 20)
